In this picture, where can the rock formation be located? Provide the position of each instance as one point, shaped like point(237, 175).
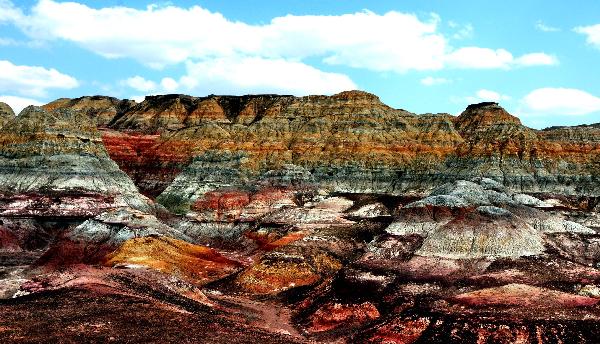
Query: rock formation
point(101, 110)
point(283, 219)
point(349, 142)
point(54, 164)
point(6, 114)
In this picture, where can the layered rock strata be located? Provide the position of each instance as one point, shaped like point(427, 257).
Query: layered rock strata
point(348, 142)
point(54, 164)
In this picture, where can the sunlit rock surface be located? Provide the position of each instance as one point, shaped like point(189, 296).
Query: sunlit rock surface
point(281, 219)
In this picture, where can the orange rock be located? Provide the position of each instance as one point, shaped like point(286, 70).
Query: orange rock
point(197, 263)
point(287, 268)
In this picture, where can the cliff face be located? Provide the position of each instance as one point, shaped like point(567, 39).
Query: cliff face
point(349, 142)
point(496, 145)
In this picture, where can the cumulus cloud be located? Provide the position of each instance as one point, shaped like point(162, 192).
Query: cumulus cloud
point(480, 58)
point(484, 58)
point(536, 59)
point(159, 36)
point(237, 75)
point(32, 81)
point(140, 84)
point(169, 84)
point(433, 81)
point(462, 31)
point(19, 103)
point(492, 96)
point(9, 12)
point(541, 26)
point(560, 101)
point(592, 34)
point(482, 95)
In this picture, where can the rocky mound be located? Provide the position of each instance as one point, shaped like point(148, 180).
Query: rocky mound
point(99, 109)
point(92, 240)
point(478, 219)
point(54, 163)
point(523, 296)
point(6, 114)
point(194, 263)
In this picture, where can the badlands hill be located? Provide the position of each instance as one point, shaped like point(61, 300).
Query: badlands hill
point(284, 219)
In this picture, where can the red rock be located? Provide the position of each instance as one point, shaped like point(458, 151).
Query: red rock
point(333, 315)
point(400, 331)
point(8, 240)
point(521, 295)
point(221, 205)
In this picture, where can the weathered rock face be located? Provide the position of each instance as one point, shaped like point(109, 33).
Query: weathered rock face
point(100, 109)
point(287, 268)
point(499, 147)
point(198, 264)
point(349, 142)
point(6, 114)
point(54, 163)
point(481, 219)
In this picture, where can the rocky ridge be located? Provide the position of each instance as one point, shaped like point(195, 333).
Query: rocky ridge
point(349, 142)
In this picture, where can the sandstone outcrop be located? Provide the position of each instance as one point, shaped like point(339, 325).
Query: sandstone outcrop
point(197, 264)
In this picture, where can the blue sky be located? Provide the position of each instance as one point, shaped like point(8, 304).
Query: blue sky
point(539, 59)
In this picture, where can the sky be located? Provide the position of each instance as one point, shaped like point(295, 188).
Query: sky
point(540, 59)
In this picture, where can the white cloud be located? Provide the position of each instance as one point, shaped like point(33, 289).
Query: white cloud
point(247, 75)
point(480, 58)
point(159, 36)
point(138, 98)
point(484, 58)
point(18, 103)
point(243, 75)
point(7, 41)
point(592, 34)
point(560, 101)
point(32, 80)
point(492, 96)
point(541, 26)
point(482, 95)
point(169, 84)
point(536, 59)
point(140, 84)
point(463, 32)
point(9, 13)
point(432, 81)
